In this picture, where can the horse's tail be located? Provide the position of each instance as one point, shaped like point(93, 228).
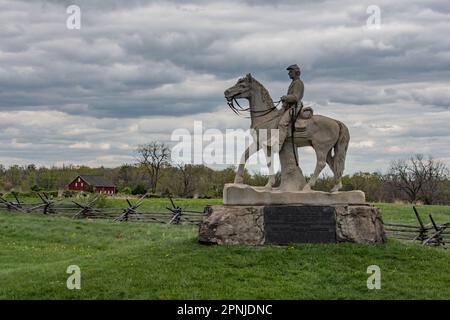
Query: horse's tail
point(340, 151)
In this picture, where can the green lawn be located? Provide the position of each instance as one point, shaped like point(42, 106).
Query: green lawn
point(156, 261)
point(402, 213)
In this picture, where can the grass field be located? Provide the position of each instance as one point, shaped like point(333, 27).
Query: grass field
point(157, 261)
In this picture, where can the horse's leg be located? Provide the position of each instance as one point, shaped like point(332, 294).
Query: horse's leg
point(337, 182)
point(336, 177)
point(340, 152)
point(321, 157)
point(337, 186)
point(269, 156)
point(239, 178)
point(330, 162)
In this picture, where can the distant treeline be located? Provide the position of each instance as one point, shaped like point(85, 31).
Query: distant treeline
point(202, 181)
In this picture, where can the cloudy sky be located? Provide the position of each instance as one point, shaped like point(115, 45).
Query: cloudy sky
point(138, 70)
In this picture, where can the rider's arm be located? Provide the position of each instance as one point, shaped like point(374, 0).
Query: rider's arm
point(297, 93)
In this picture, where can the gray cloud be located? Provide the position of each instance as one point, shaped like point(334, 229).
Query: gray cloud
point(153, 62)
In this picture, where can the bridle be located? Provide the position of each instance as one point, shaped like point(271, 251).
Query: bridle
point(240, 110)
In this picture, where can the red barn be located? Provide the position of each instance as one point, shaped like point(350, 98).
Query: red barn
point(98, 184)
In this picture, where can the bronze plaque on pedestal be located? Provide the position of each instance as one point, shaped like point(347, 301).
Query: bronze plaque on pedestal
point(299, 224)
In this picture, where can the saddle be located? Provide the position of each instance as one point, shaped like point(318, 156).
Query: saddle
point(303, 116)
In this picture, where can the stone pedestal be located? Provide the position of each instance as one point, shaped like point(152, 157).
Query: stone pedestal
point(283, 224)
point(242, 194)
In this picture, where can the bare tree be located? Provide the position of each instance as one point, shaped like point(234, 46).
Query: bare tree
point(418, 178)
point(435, 174)
point(187, 178)
point(153, 157)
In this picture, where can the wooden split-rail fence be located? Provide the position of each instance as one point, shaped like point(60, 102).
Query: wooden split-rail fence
point(79, 210)
point(431, 234)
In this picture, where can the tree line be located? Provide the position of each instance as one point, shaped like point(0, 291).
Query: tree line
point(417, 179)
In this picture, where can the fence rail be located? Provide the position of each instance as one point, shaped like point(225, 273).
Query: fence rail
point(80, 210)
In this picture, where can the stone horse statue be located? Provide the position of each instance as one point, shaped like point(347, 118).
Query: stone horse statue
point(328, 137)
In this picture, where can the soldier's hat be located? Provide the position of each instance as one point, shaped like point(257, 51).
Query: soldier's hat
point(293, 67)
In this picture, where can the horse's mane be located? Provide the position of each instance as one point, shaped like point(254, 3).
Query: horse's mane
point(264, 93)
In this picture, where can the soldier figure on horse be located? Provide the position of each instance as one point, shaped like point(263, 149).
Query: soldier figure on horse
point(292, 105)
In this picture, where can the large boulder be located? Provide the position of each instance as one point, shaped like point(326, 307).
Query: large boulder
point(233, 225)
point(360, 224)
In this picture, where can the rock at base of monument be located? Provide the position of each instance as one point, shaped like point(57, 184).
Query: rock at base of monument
point(233, 225)
point(242, 194)
point(285, 224)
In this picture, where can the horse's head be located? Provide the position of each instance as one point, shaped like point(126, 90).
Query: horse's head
point(241, 90)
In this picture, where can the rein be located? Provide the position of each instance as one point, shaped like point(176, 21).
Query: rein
point(240, 110)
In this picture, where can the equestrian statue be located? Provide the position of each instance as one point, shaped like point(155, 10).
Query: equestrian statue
point(297, 125)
